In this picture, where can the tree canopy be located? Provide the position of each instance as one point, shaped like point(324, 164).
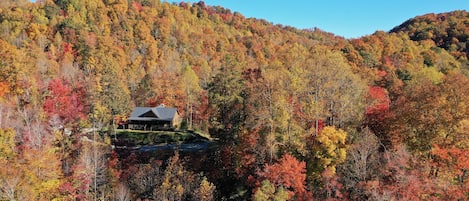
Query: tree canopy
point(290, 109)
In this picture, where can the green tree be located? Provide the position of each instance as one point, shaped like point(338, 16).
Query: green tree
point(225, 99)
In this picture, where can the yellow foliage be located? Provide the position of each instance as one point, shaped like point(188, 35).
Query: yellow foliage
point(30, 176)
point(205, 190)
point(267, 191)
point(461, 137)
point(179, 190)
point(330, 136)
point(44, 178)
point(7, 144)
point(428, 73)
point(331, 149)
point(35, 30)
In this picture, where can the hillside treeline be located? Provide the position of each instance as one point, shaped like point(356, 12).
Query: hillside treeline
point(297, 114)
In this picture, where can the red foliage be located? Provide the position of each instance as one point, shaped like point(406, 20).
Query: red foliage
point(63, 101)
point(77, 186)
point(312, 124)
point(456, 161)
point(289, 173)
point(246, 152)
point(153, 102)
point(382, 73)
point(63, 13)
point(67, 47)
point(387, 61)
point(183, 5)
point(332, 185)
point(379, 100)
point(137, 6)
point(226, 156)
point(227, 17)
point(127, 166)
point(404, 178)
point(378, 112)
point(196, 69)
point(201, 110)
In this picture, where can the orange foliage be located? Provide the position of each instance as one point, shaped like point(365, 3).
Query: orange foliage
point(137, 6)
point(4, 89)
point(289, 173)
point(111, 49)
point(456, 162)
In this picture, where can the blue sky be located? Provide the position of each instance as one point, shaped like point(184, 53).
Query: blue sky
point(348, 18)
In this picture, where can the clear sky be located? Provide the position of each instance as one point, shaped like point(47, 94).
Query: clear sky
point(348, 18)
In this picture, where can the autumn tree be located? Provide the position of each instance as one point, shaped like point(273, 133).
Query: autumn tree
point(90, 173)
point(327, 151)
point(337, 93)
point(439, 112)
point(13, 68)
point(402, 178)
point(28, 176)
point(265, 108)
point(10, 178)
point(377, 112)
point(263, 90)
point(192, 90)
point(288, 173)
point(42, 174)
point(178, 183)
point(63, 101)
point(267, 191)
point(361, 167)
point(205, 191)
point(225, 98)
point(122, 193)
point(451, 169)
point(144, 178)
point(144, 91)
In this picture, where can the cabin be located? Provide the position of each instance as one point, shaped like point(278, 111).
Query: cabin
point(154, 118)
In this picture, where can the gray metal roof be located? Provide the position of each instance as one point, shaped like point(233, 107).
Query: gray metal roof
point(165, 113)
point(161, 113)
point(139, 111)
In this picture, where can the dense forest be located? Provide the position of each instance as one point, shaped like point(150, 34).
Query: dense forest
point(296, 114)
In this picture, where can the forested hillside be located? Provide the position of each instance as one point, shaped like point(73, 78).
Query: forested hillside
point(297, 114)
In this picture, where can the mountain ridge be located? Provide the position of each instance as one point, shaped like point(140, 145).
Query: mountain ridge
point(380, 117)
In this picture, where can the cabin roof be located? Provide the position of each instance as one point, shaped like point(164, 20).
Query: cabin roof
point(153, 113)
